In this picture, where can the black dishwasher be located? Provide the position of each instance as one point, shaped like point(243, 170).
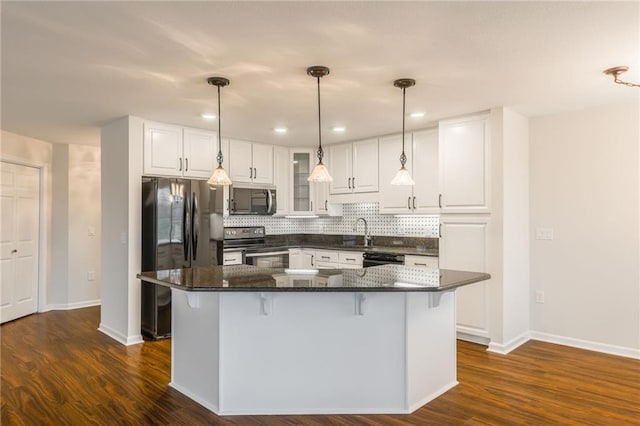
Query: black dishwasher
point(375, 259)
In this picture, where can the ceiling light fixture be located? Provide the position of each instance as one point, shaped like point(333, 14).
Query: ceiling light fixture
point(417, 114)
point(403, 177)
point(280, 129)
point(616, 71)
point(208, 116)
point(219, 176)
point(339, 129)
point(319, 172)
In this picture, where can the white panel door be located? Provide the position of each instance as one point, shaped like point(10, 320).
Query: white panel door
point(340, 166)
point(199, 148)
point(162, 149)
point(262, 163)
point(464, 165)
point(394, 198)
point(425, 172)
point(19, 238)
point(240, 164)
point(464, 246)
point(365, 166)
point(281, 172)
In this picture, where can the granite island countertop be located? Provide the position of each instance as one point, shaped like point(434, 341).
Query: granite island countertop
point(385, 278)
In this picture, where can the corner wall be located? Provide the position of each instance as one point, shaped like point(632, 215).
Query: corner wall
point(585, 186)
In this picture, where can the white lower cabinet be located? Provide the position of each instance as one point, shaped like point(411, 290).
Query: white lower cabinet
point(464, 246)
point(421, 261)
point(350, 259)
point(301, 258)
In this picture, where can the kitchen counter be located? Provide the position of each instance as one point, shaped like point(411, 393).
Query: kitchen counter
point(384, 278)
point(249, 340)
point(418, 251)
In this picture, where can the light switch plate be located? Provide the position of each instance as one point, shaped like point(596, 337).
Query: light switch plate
point(544, 233)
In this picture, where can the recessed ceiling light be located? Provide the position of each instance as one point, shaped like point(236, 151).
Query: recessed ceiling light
point(280, 129)
point(416, 114)
point(339, 129)
point(209, 116)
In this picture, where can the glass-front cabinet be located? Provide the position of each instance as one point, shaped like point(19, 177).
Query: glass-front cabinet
point(302, 162)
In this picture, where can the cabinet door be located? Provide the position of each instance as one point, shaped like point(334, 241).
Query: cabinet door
point(365, 166)
point(425, 171)
point(295, 258)
point(281, 175)
point(301, 189)
point(464, 165)
point(262, 163)
point(308, 259)
point(394, 198)
point(464, 246)
point(321, 197)
point(199, 148)
point(421, 261)
point(240, 165)
point(339, 163)
point(162, 149)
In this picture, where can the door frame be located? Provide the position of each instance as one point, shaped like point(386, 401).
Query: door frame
point(43, 226)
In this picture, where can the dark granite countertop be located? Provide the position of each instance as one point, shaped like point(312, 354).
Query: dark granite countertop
point(417, 251)
point(386, 278)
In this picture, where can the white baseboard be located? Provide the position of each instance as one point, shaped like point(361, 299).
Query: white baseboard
point(206, 404)
point(119, 337)
point(505, 348)
point(472, 338)
point(586, 344)
point(69, 306)
point(429, 398)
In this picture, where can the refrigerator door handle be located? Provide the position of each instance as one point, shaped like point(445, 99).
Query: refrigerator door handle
point(195, 224)
point(185, 236)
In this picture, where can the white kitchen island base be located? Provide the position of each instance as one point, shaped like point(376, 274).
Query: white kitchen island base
point(248, 352)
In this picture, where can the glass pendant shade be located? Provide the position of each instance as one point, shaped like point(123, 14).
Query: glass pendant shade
point(219, 177)
point(320, 174)
point(403, 177)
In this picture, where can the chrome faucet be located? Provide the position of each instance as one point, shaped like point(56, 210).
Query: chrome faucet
point(367, 237)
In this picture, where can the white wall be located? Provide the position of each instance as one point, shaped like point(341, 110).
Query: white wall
point(585, 186)
point(59, 294)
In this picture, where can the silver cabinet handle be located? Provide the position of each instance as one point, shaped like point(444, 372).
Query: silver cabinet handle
point(409, 203)
point(186, 164)
point(440, 200)
point(255, 173)
point(353, 182)
point(419, 264)
point(349, 182)
point(311, 202)
point(325, 257)
point(325, 204)
point(312, 256)
point(350, 259)
point(440, 230)
point(250, 173)
point(180, 160)
point(14, 251)
point(414, 203)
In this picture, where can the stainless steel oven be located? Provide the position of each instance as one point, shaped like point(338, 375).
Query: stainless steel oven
point(251, 241)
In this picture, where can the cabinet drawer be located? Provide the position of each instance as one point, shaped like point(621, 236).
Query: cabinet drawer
point(353, 258)
point(327, 256)
point(232, 258)
point(421, 261)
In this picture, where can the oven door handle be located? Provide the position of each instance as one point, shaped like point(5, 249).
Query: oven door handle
point(271, 253)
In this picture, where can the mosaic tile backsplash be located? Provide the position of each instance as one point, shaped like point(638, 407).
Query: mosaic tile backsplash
point(384, 225)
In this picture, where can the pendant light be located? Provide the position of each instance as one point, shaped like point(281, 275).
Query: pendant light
point(219, 176)
point(403, 177)
point(319, 172)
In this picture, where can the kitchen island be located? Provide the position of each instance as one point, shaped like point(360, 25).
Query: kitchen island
point(249, 340)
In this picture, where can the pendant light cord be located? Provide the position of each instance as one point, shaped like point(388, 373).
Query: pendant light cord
point(403, 156)
point(320, 151)
point(219, 157)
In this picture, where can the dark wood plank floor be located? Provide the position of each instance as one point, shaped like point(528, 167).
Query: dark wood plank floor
point(57, 369)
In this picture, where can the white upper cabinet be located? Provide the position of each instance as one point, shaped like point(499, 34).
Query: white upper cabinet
point(321, 205)
point(301, 196)
point(199, 148)
point(464, 165)
point(281, 178)
point(250, 162)
point(173, 151)
point(354, 167)
point(421, 149)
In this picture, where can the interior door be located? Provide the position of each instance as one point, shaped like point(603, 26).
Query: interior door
point(19, 240)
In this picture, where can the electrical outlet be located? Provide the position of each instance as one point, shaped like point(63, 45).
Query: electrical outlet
point(539, 296)
point(91, 275)
point(544, 233)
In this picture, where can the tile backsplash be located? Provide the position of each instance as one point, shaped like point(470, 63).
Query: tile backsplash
point(387, 225)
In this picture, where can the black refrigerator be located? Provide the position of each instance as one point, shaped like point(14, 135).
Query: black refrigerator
point(181, 228)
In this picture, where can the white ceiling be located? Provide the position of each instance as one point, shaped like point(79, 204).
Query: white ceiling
point(68, 68)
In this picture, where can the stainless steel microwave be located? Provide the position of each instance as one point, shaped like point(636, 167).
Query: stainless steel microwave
point(252, 199)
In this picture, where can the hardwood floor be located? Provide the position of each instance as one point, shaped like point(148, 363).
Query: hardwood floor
point(57, 369)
